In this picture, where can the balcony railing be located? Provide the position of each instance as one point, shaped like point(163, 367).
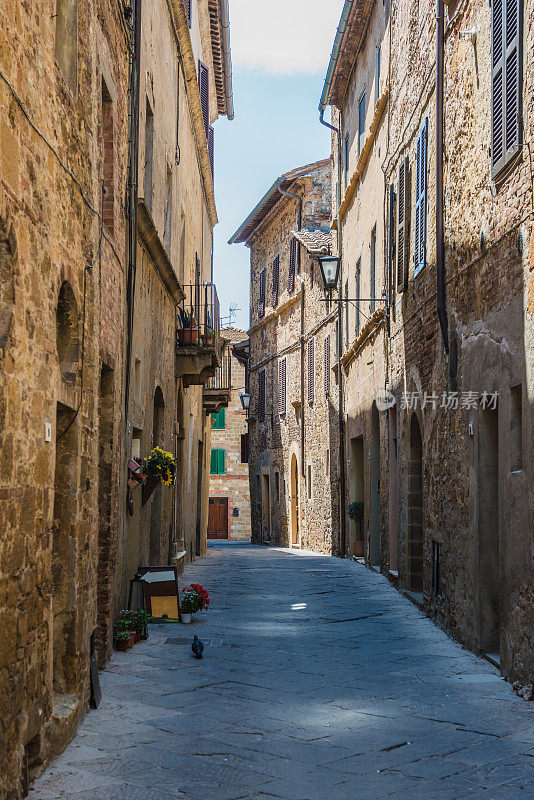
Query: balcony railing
point(199, 320)
point(222, 380)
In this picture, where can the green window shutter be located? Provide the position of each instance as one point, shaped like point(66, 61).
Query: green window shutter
point(213, 465)
point(218, 465)
point(222, 464)
point(219, 420)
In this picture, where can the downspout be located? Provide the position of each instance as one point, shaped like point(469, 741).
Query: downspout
point(132, 200)
point(440, 239)
point(341, 419)
point(226, 57)
point(302, 333)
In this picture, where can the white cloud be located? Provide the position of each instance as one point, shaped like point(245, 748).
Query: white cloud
point(283, 37)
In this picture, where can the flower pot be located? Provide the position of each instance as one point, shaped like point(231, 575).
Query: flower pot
point(122, 645)
point(358, 549)
point(131, 640)
point(186, 618)
point(188, 336)
point(137, 637)
point(208, 339)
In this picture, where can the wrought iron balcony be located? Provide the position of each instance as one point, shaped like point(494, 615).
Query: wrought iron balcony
point(198, 326)
point(217, 392)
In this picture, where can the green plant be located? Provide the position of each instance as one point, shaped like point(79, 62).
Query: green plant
point(188, 319)
point(122, 636)
point(126, 620)
point(355, 510)
point(142, 618)
point(190, 601)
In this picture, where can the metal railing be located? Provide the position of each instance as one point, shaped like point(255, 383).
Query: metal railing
point(199, 311)
point(222, 380)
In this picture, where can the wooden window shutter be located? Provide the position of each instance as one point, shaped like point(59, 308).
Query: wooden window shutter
point(506, 80)
point(327, 365)
point(261, 395)
point(261, 308)
point(276, 280)
point(214, 462)
point(244, 448)
point(222, 462)
point(292, 265)
point(420, 199)
point(403, 233)
point(204, 88)
point(391, 243)
point(311, 371)
point(282, 386)
point(211, 149)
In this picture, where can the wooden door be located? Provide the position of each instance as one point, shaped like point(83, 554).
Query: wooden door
point(218, 518)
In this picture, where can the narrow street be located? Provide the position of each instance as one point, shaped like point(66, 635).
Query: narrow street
point(304, 693)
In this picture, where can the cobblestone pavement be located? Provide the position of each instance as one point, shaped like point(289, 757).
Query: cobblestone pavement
point(321, 682)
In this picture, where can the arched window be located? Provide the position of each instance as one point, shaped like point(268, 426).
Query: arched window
point(67, 332)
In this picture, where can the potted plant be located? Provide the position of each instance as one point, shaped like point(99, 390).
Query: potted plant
point(159, 466)
point(142, 618)
point(194, 598)
point(126, 623)
point(355, 511)
point(209, 338)
point(122, 641)
point(188, 333)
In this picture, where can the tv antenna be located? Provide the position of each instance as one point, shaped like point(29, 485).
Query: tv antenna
point(230, 317)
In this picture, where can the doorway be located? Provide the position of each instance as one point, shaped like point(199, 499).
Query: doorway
point(294, 501)
point(200, 461)
point(266, 508)
point(393, 492)
point(357, 490)
point(218, 518)
point(488, 530)
point(415, 507)
point(374, 487)
point(105, 495)
point(158, 415)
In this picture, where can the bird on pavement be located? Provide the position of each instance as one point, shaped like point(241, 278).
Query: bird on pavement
point(197, 647)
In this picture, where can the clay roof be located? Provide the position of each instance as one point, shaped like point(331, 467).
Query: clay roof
point(224, 92)
point(316, 242)
point(271, 198)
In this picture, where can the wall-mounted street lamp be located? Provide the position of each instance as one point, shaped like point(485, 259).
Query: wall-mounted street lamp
point(329, 266)
point(245, 400)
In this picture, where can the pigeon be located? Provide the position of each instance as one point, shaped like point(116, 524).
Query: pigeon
point(197, 647)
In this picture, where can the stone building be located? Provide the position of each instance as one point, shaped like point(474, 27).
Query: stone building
point(439, 392)
point(74, 350)
point(229, 501)
point(293, 434)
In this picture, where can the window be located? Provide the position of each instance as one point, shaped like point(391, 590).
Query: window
point(244, 448)
point(403, 232)
point(309, 482)
point(357, 291)
point(66, 43)
point(327, 365)
point(516, 429)
point(217, 466)
point(219, 420)
point(282, 386)
point(378, 54)
point(372, 271)
point(346, 159)
point(149, 156)
point(261, 395)
point(361, 123)
point(292, 265)
point(204, 89)
point(436, 568)
point(261, 307)
point(276, 280)
point(420, 199)
point(506, 82)
point(391, 233)
point(108, 158)
point(311, 371)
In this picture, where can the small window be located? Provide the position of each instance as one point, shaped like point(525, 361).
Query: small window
point(436, 568)
point(516, 429)
point(217, 466)
point(219, 420)
point(261, 395)
point(244, 448)
point(309, 482)
point(420, 199)
point(361, 122)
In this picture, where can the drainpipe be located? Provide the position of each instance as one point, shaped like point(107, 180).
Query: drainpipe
point(341, 419)
point(440, 239)
point(132, 199)
point(302, 332)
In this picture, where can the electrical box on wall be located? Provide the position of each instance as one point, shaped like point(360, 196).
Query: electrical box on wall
point(235, 512)
point(48, 431)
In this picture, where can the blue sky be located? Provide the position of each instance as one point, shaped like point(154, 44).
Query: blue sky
point(277, 82)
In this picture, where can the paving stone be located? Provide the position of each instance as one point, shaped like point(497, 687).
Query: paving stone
point(355, 697)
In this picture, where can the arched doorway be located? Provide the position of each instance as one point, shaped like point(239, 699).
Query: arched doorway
point(415, 507)
point(294, 501)
point(155, 511)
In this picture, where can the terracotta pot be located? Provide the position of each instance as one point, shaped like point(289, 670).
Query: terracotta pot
point(131, 640)
point(122, 645)
point(358, 549)
point(208, 339)
point(137, 637)
point(188, 336)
